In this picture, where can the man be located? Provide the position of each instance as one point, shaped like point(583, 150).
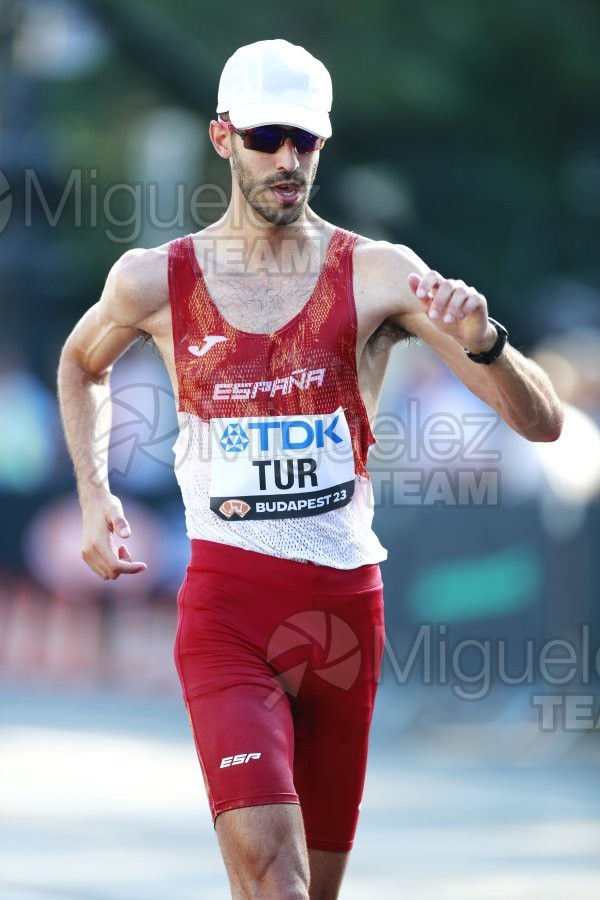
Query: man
point(276, 329)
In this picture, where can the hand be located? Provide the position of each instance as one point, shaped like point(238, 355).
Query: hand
point(101, 519)
point(455, 309)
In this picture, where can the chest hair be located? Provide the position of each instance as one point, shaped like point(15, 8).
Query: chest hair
point(259, 302)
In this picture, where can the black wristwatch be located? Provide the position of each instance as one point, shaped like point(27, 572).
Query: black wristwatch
point(494, 352)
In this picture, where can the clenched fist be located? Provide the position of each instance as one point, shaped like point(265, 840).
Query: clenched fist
point(456, 309)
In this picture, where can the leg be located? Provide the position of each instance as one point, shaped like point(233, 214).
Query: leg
point(265, 853)
point(332, 717)
point(245, 742)
point(326, 873)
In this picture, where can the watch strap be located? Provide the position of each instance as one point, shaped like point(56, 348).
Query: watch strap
point(491, 355)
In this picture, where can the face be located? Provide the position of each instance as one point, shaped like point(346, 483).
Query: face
point(275, 185)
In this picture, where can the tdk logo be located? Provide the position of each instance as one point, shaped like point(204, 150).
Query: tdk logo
point(296, 434)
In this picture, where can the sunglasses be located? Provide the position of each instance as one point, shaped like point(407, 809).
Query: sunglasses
point(269, 138)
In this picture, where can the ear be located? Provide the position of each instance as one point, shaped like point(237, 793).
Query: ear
point(220, 138)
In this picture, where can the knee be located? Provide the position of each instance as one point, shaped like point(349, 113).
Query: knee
point(274, 875)
point(269, 870)
point(265, 853)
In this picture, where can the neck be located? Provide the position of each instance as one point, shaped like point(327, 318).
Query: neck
point(242, 221)
point(242, 234)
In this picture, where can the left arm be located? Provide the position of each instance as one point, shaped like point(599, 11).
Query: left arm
point(450, 317)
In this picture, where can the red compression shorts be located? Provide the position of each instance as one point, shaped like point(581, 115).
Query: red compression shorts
point(279, 663)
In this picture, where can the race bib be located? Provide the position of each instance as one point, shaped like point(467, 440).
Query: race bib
point(275, 467)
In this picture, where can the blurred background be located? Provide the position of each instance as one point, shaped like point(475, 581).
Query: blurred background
point(469, 131)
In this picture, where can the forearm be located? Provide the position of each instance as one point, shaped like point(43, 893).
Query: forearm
point(452, 317)
point(86, 416)
point(98, 340)
point(520, 392)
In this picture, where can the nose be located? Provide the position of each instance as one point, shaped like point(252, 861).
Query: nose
point(287, 156)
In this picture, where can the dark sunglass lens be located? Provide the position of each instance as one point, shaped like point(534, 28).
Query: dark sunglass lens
point(264, 138)
point(269, 138)
point(305, 141)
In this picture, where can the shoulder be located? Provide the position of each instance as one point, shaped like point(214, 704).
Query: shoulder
point(381, 290)
point(381, 263)
point(137, 285)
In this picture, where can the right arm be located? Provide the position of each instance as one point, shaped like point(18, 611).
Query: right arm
point(103, 334)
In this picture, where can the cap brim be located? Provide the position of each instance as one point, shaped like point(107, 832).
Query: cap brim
point(250, 115)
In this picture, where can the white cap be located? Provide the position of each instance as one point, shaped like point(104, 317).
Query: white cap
point(276, 83)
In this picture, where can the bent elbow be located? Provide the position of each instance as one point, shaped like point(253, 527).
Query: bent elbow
point(548, 430)
point(74, 363)
point(547, 437)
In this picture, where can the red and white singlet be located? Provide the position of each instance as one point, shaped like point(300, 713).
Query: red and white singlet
point(274, 434)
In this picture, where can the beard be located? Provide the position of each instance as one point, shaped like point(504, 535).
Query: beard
point(258, 195)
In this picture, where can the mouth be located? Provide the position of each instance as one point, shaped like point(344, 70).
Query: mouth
point(287, 191)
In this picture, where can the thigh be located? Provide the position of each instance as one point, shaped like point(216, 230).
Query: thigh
point(332, 717)
point(244, 746)
point(245, 742)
